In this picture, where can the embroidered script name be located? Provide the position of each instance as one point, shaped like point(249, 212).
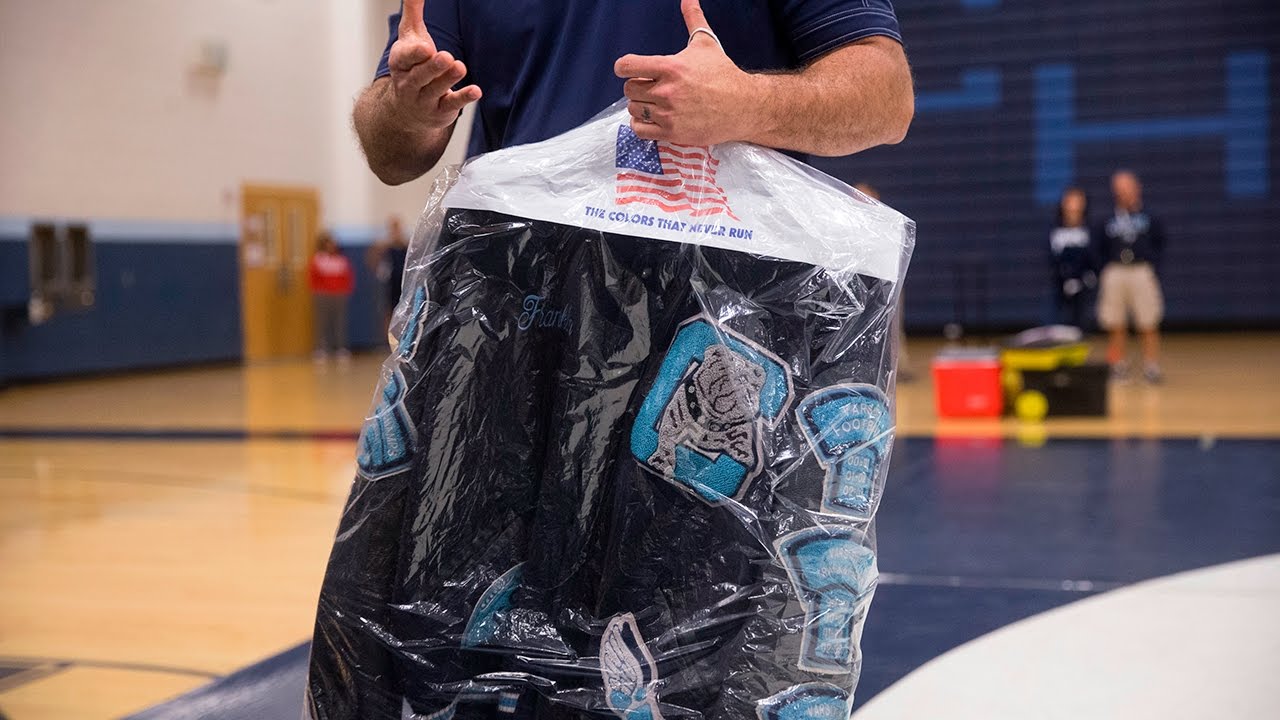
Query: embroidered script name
point(537, 313)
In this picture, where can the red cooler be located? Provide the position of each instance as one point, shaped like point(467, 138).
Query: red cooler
point(967, 384)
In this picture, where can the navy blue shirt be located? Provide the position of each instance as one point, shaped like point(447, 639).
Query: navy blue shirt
point(546, 66)
point(1070, 252)
point(1128, 238)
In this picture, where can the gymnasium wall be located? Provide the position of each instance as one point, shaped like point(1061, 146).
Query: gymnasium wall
point(106, 119)
point(109, 120)
point(1019, 98)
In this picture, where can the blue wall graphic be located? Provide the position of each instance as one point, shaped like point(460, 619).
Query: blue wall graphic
point(1242, 125)
point(1017, 99)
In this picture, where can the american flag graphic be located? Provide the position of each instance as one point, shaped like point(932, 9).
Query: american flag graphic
point(674, 178)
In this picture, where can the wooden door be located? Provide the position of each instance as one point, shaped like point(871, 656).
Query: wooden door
point(277, 239)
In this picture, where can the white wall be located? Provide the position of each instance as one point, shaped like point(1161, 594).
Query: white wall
point(103, 116)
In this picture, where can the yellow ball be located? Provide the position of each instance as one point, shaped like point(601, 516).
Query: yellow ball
point(1031, 406)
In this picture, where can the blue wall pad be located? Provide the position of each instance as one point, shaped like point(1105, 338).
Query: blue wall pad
point(167, 294)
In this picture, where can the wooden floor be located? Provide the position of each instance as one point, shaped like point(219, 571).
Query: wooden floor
point(1220, 384)
point(134, 568)
point(1215, 385)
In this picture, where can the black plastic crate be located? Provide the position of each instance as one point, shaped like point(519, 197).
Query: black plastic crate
point(1079, 390)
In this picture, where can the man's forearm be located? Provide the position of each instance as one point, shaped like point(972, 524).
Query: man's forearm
point(397, 151)
point(849, 100)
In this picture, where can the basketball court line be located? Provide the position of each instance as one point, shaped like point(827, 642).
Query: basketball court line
point(999, 583)
point(62, 663)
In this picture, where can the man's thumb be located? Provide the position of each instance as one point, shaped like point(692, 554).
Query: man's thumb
point(411, 21)
point(693, 17)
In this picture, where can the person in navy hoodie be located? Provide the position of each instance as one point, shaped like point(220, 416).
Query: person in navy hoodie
point(1071, 260)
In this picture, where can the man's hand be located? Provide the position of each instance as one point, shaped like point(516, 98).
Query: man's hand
point(847, 100)
point(696, 97)
point(405, 121)
point(422, 79)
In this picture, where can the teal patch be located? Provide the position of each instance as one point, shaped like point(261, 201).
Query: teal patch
point(496, 601)
point(850, 429)
point(834, 575)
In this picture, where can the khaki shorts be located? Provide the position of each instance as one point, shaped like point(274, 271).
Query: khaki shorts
point(1129, 290)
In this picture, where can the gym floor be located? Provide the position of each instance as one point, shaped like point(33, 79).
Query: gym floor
point(163, 535)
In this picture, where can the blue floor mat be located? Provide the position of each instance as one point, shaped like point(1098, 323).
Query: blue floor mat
point(269, 690)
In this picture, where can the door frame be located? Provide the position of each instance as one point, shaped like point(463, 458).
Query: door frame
point(254, 310)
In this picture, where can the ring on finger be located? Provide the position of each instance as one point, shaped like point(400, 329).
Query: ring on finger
point(644, 114)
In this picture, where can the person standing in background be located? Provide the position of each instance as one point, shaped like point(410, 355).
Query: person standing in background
point(1131, 245)
point(1071, 259)
point(387, 258)
point(332, 281)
